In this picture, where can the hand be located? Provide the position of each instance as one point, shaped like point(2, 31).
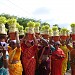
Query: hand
point(16, 33)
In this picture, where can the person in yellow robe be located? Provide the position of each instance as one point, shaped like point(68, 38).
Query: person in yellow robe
point(64, 63)
point(15, 66)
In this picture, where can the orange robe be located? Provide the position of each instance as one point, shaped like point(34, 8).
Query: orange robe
point(28, 59)
point(56, 62)
point(15, 69)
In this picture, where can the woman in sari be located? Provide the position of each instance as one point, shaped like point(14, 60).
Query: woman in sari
point(43, 56)
point(56, 60)
point(15, 66)
point(64, 63)
point(29, 50)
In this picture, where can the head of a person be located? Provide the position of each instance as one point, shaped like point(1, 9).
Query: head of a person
point(52, 42)
point(3, 37)
point(57, 45)
point(27, 41)
point(12, 44)
point(74, 45)
point(63, 42)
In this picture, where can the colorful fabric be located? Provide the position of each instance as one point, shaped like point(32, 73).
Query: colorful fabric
point(28, 59)
point(64, 63)
point(4, 71)
point(56, 62)
point(15, 68)
point(44, 67)
point(72, 55)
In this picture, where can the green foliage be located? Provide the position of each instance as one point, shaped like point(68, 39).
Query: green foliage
point(67, 30)
point(45, 23)
point(30, 24)
point(2, 20)
point(63, 29)
point(37, 24)
point(50, 30)
point(73, 25)
point(11, 21)
point(26, 29)
point(6, 29)
point(47, 27)
point(55, 25)
point(21, 28)
point(17, 25)
point(54, 28)
point(8, 16)
point(43, 28)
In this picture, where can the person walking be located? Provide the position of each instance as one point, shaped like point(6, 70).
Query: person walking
point(29, 51)
point(56, 60)
point(14, 49)
point(64, 63)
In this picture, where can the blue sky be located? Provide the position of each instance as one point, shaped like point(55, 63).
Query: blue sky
point(61, 12)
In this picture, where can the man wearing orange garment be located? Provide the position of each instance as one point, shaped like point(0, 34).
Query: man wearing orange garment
point(15, 66)
point(56, 60)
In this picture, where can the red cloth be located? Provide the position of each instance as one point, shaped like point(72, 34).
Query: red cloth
point(29, 63)
point(72, 55)
point(56, 62)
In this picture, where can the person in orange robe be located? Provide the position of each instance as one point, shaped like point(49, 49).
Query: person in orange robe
point(14, 49)
point(29, 54)
point(56, 60)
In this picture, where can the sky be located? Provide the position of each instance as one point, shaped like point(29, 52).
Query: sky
point(61, 12)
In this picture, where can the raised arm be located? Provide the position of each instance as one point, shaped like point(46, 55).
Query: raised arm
point(17, 40)
point(43, 40)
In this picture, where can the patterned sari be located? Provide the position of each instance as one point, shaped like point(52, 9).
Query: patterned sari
point(64, 63)
point(14, 55)
point(28, 59)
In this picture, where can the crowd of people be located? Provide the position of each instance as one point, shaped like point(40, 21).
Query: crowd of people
point(39, 56)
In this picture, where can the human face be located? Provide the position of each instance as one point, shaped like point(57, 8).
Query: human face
point(57, 46)
point(28, 43)
point(63, 42)
point(12, 45)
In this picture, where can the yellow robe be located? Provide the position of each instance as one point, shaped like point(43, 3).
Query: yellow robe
point(15, 69)
point(64, 63)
